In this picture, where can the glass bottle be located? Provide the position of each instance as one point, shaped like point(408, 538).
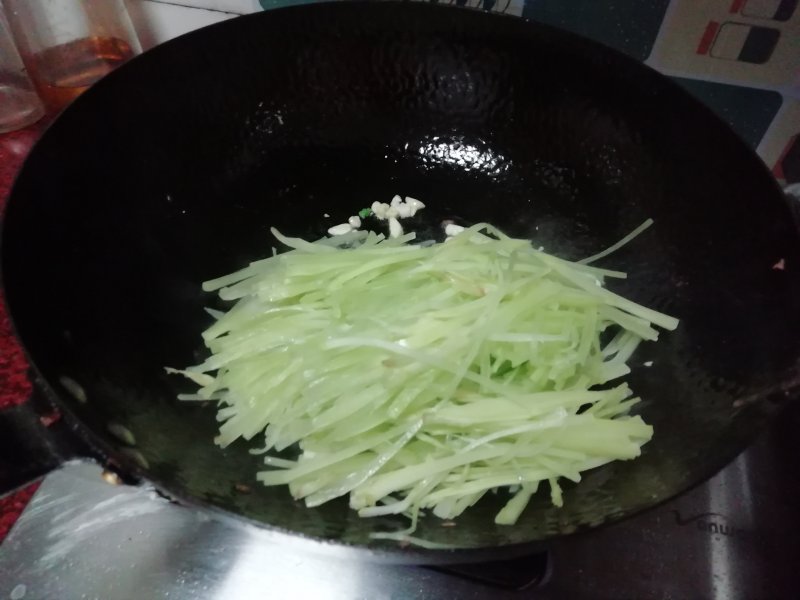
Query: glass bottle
point(19, 104)
point(67, 45)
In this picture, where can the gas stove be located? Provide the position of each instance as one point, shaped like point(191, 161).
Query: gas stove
point(734, 537)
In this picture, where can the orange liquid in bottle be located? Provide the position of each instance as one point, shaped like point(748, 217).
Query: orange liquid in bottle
point(64, 72)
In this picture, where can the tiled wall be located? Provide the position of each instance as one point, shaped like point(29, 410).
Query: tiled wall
point(158, 21)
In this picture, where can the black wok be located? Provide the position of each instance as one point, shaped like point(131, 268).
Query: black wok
point(172, 170)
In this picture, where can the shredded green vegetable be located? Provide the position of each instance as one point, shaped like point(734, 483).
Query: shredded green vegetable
point(420, 377)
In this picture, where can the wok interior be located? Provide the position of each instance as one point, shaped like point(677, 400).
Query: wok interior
point(172, 170)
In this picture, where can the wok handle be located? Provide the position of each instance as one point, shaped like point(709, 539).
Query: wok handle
point(32, 444)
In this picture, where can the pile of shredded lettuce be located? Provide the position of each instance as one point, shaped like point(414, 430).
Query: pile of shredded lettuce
point(419, 377)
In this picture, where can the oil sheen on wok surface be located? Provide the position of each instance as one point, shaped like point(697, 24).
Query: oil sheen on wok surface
point(276, 119)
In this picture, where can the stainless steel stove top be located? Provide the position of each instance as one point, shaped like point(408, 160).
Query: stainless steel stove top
point(735, 537)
